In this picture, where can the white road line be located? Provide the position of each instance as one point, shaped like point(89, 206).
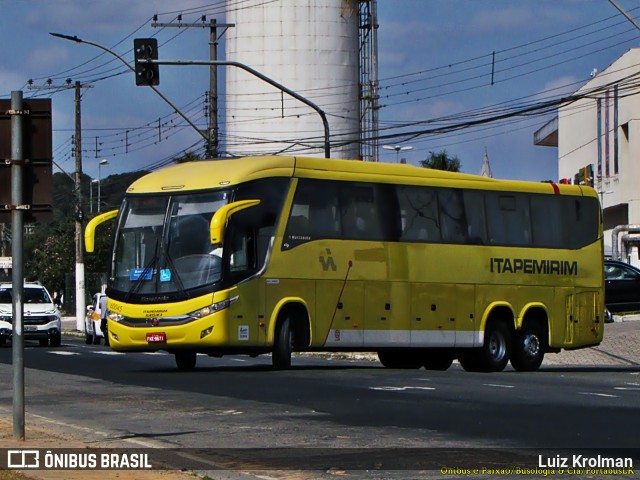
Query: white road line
point(637, 389)
point(496, 385)
point(598, 394)
point(106, 352)
point(400, 389)
point(62, 352)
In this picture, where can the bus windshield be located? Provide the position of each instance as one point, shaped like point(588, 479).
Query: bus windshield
point(163, 244)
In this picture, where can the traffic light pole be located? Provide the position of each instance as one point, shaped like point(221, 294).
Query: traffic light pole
point(246, 68)
point(325, 123)
point(105, 49)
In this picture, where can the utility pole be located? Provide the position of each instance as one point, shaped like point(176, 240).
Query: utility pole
point(17, 254)
point(213, 133)
point(80, 294)
point(77, 178)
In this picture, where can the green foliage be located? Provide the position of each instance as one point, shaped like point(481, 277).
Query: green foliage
point(187, 157)
point(441, 161)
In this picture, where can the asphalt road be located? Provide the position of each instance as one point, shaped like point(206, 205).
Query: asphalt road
point(241, 402)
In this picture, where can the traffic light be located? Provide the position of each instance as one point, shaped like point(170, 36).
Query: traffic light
point(147, 74)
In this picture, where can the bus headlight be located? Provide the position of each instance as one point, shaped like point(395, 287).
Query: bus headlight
point(116, 317)
point(216, 307)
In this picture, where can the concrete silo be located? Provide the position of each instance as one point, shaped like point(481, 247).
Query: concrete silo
point(309, 46)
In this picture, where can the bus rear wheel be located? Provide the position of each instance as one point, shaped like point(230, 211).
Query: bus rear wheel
point(437, 360)
point(400, 359)
point(528, 348)
point(282, 345)
point(494, 355)
point(185, 360)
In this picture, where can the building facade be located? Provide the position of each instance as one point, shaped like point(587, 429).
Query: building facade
point(598, 140)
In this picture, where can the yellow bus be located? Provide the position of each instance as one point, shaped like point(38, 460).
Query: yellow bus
point(286, 254)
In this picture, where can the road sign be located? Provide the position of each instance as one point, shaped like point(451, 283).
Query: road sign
point(37, 181)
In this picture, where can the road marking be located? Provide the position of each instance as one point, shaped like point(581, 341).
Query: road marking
point(107, 352)
point(598, 394)
point(155, 353)
point(627, 388)
point(63, 353)
point(496, 385)
point(238, 359)
point(399, 389)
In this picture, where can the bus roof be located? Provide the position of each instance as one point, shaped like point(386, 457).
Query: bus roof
point(208, 174)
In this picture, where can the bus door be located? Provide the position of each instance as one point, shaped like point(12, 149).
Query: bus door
point(582, 310)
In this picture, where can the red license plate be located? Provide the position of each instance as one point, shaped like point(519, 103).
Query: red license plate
point(160, 337)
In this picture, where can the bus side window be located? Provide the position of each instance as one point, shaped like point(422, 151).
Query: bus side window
point(359, 216)
point(452, 215)
point(508, 219)
point(476, 220)
point(419, 214)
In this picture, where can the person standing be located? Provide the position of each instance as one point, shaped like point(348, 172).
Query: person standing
point(103, 319)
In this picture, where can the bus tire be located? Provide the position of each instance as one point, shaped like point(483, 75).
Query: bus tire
point(282, 345)
point(437, 360)
point(528, 348)
point(400, 359)
point(494, 355)
point(185, 359)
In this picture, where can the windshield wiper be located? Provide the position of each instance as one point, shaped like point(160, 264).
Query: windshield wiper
point(149, 268)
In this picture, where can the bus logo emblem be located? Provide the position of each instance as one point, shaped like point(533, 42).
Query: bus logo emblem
point(327, 262)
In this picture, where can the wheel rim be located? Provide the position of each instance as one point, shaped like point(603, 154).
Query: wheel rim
point(531, 345)
point(497, 346)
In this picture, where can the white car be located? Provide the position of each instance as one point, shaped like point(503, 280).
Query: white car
point(41, 319)
point(92, 330)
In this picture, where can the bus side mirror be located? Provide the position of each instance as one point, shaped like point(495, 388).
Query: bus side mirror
point(220, 218)
point(90, 229)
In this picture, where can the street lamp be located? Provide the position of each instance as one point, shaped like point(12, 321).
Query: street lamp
point(91, 194)
point(397, 149)
point(104, 161)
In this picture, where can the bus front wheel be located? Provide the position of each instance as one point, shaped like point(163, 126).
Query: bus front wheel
point(185, 360)
point(282, 345)
point(528, 348)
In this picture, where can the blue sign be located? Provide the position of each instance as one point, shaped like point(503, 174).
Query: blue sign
point(165, 275)
point(141, 274)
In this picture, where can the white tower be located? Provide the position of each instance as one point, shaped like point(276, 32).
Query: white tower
point(310, 48)
point(485, 171)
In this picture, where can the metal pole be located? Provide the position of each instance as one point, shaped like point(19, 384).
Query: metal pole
point(213, 92)
point(80, 301)
point(264, 78)
point(17, 278)
point(99, 178)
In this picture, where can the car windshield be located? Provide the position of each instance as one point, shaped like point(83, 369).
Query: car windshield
point(163, 243)
point(29, 295)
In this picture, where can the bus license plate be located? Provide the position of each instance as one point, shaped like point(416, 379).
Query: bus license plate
point(160, 337)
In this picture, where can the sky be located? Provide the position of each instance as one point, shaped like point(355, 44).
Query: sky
point(442, 64)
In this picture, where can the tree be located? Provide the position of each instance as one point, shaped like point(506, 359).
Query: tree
point(187, 157)
point(441, 161)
